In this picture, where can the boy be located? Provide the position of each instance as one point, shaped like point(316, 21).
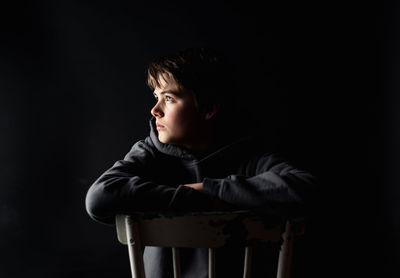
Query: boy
point(194, 159)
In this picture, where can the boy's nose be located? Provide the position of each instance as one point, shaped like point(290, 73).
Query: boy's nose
point(156, 111)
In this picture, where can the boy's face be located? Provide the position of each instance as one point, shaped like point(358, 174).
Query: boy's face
point(178, 120)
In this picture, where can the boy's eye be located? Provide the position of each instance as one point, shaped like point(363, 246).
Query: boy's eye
point(168, 98)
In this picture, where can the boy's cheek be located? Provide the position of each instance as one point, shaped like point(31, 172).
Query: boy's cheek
point(177, 121)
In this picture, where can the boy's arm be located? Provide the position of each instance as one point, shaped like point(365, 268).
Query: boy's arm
point(125, 188)
point(276, 184)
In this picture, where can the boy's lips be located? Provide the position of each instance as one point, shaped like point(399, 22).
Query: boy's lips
point(159, 126)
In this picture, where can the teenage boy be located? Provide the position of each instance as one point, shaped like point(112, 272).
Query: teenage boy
point(194, 159)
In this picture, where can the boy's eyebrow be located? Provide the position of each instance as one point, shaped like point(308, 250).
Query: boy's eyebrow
point(167, 92)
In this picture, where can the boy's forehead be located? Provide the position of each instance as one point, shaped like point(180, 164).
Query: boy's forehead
point(166, 84)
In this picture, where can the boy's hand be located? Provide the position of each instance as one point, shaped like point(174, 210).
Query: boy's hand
point(196, 186)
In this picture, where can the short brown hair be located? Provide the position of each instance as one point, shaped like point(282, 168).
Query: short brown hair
point(202, 70)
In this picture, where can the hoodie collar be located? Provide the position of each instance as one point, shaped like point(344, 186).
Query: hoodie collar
point(184, 153)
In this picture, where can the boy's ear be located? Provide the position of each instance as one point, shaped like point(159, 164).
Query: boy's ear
point(209, 113)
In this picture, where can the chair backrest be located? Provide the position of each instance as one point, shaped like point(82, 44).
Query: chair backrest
point(204, 230)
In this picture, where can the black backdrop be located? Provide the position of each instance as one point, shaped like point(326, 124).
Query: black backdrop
point(318, 78)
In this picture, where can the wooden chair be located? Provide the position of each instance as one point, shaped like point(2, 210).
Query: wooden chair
point(205, 230)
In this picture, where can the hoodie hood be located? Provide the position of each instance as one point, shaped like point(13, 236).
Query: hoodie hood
point(184, 153)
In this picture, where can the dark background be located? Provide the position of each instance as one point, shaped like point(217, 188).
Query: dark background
point(319, 78)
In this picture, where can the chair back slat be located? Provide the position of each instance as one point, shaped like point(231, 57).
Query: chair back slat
point(176, 262)
point(248, 253)
point(211, 262)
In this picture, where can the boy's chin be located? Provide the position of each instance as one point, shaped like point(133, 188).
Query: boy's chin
point(163, 139)
point(167, 140)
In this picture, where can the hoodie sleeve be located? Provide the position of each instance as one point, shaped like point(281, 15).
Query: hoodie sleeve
point(127, 187)
point(276, 184)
